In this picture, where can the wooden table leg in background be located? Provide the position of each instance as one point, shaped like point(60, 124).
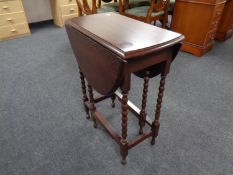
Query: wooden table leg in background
point(156, 124)
point(144, 98)
point(85, 98)
point(93, 108)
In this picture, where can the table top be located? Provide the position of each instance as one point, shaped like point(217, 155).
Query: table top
point(124, 36)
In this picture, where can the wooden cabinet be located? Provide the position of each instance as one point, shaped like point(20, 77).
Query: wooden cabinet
point(13, 22)
point(225, 27)
point(62, 10)
point(197, 20)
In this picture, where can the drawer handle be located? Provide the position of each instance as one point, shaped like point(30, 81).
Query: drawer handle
point(72, 9)
point(9, 19)
point(13, 30)
point(5, 7)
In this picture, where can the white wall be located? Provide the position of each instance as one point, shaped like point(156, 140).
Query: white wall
point(37, 10)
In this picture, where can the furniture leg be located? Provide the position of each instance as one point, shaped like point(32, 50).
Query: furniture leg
point(165, 20)
point(113, 97)
point(92, 105)
point(124, 142)
point(84, 93)
point(156, 124)
point(144, 97)
point(155, 22)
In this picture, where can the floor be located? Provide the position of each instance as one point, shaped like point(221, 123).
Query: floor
point(43, 129)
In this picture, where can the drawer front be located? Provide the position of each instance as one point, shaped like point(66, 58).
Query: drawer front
point(14, 30)
point(68, 17)
point(69, 10)
point(12, 19)
point(67, 2)
point(10, 6)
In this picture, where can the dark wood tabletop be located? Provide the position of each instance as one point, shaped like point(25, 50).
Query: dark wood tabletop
point(109, 47)
point(124, 36)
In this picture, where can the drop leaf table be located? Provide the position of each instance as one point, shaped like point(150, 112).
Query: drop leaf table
point(109, 48)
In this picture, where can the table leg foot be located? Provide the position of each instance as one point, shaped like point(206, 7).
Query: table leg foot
point(124, 151)
point(152, 141)
point(95, 125)
point(113, 97)
point(140, 131)
point(94, 121)
point(124, 162)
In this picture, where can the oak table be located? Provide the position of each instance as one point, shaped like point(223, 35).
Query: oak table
point(107, 57)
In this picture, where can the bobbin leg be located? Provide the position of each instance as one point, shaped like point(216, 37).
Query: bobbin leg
point(84, 93)
point(156, 124)
point(144, 97)
point(113, 97)
point(92, 105)
point(124, 142)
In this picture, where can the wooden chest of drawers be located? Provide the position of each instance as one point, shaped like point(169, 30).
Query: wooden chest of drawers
point(225, 27)
point(62, 10)
point(13, 22)
point(198, 21)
